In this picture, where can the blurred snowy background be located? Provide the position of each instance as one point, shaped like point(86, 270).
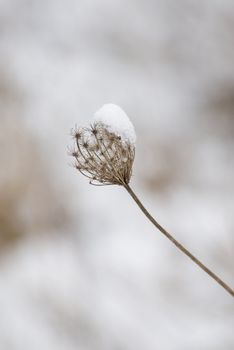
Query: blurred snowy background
point(80, 267)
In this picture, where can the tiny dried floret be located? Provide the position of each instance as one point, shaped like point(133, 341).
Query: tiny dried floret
point(94, 131)
point(103, 152)
point(76, 133)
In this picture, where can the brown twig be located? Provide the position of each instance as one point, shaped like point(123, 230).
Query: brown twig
point(177, 244)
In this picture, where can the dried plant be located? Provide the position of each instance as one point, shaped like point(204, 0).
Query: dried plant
point(107, 159)
point(102, 156)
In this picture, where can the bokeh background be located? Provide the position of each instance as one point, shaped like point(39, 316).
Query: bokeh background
point(80, 267)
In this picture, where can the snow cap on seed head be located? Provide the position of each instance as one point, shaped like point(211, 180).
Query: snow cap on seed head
point(105, 151)
point(115, 120)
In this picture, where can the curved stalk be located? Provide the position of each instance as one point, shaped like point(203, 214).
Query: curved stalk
point(177, 244)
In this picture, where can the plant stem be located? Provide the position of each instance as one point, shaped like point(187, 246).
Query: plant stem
point(177, 244)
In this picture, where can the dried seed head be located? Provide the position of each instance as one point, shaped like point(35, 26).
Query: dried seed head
point(103, 155)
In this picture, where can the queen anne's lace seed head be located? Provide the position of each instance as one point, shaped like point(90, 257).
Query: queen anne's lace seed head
point(103, 156)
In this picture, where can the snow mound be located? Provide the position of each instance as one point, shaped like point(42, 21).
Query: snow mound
point(116, 121)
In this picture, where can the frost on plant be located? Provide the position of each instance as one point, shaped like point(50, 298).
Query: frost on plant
point(105, 151)
point(116, 120)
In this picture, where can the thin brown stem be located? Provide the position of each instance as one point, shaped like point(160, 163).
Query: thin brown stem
point(177, 244)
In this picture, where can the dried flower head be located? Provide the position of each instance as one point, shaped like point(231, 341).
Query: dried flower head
point(103, 152)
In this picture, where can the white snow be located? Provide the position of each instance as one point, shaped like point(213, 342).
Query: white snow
point(116, 121)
